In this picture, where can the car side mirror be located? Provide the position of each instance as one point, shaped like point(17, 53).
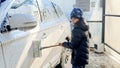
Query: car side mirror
point(22, 21)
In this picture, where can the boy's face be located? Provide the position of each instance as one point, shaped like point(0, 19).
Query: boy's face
point(74, 20)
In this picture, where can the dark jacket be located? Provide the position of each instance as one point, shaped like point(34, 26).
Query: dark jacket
point(79, 44)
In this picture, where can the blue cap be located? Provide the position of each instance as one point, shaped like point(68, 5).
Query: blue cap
point(77, 13)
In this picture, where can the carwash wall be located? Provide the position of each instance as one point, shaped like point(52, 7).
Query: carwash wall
point(111, 27)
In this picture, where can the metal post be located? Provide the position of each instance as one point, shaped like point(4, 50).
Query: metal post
point(103, 21)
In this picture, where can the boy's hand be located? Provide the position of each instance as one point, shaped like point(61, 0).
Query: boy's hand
point(60, 44)
point(67, 38)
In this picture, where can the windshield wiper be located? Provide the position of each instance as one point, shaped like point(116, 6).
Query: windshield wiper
point(18, 5)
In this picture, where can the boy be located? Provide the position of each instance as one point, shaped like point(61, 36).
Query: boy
point(79, 40)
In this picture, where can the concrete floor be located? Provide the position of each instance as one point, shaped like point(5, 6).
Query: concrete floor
point(97, 61)
point(101, 61)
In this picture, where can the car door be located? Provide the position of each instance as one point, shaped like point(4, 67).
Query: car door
point(17, 45)
point(55, 27)
point(66, 53)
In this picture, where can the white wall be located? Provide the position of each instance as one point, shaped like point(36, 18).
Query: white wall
point(112, 26)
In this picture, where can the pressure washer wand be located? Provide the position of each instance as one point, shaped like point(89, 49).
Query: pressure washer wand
point(67, 38)
point(48, 47)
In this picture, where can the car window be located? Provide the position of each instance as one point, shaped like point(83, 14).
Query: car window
point(48, 13)
point(25, 8)
point(58, 9)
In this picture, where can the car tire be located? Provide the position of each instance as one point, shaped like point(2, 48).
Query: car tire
point(58, 66)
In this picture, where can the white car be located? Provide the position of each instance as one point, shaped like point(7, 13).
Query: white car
point(39, 24)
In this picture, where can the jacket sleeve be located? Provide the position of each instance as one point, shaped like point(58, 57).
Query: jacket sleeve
point(75, 41)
